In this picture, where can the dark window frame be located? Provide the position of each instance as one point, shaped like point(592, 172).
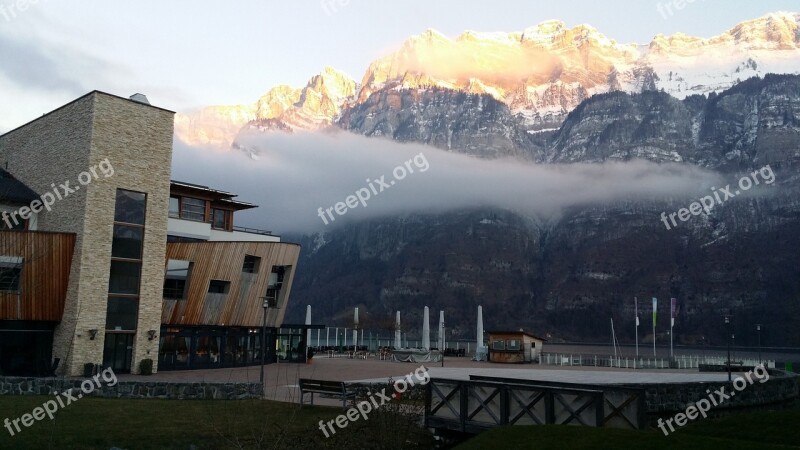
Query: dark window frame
point(15, 281)
point(226, 219)
point(171, 290)
point(226, 286)
point(187, 214)
point(251, 266)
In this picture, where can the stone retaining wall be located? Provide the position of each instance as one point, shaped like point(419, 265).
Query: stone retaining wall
point(133, 389)
point(671, 398)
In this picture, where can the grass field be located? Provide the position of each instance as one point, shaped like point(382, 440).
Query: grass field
point(94, 423)
point(756, 430)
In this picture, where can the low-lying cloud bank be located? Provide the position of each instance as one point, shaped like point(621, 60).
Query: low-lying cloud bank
point(299, 179)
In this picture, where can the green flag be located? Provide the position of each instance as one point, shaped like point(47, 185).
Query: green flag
point(655, 306)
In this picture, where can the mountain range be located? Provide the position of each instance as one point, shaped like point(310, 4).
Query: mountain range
point(540, 74)
point(557, 95)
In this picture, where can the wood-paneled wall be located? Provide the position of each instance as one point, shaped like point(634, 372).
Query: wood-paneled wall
point(47, 259)
point(242, 306)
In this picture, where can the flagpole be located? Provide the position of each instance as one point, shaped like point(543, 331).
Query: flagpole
point(655, 306)
point(636, 310)
point(672, 308)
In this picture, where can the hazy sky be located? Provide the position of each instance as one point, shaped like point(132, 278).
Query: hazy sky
point(185, 54)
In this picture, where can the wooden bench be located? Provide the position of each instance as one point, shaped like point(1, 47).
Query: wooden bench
point(337, 388)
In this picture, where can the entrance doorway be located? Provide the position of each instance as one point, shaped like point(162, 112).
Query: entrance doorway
point(118, 352)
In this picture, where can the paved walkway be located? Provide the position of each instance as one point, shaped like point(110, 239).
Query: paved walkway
point(282, 378)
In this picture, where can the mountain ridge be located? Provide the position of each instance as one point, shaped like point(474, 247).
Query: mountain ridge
point(540, 73)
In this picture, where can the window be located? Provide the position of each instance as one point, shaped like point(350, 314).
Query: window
point(176, 279)
point(125, 274)
point(127, 242)
point(251, 264)
point(10, 273)
point(122, 313)
point(193, 209)
point(219, 219)
point(124, 277)
point(498, 345)
point(219, 287)
point(175, 207)
point(276, 277)
point(513, 344)
point(130, 207)
point(275, 284)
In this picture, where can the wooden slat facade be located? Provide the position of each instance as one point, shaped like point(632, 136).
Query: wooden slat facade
point(242, 305)
point(47, 259)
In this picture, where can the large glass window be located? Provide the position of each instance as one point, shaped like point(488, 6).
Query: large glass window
point(176, 279)
point(127, 242)
point(124, 277)
point(499, 345)
point(193, 209)
point(122, 314)
point(130, 207)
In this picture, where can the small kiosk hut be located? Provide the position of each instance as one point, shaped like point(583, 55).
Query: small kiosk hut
point(514, 347)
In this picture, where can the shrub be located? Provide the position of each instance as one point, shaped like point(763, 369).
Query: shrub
point(146, 367)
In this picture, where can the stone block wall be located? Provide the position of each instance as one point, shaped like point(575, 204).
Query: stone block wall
point(133, 389)
point(136, 139)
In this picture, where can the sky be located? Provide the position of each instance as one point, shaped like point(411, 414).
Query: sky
point(186, 54)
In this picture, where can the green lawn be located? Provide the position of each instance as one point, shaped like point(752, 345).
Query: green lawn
point(158, 424)
point(94, 423)
point(756, 430)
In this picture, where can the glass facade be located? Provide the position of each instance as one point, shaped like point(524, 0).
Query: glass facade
point(124, 279)
point(183, 348)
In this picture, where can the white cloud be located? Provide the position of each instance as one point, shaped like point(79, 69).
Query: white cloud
point(298, 173)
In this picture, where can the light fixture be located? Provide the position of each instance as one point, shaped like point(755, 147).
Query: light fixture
point(151, 334)
point(92, 334)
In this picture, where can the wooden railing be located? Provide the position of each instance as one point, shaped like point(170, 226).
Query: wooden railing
point(478, 404)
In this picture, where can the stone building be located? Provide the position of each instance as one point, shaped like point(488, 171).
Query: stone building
point(92, 222)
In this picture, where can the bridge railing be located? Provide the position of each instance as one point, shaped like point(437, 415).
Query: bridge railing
point(478, 404)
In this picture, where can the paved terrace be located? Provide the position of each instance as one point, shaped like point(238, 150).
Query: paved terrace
point(282, 378)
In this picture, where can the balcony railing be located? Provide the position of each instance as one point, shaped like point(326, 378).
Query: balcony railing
point(253, 231)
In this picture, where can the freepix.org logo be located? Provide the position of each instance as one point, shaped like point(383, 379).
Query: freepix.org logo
point(719, 196)
point(60, 192)
point(374, 187)
point(376, 400)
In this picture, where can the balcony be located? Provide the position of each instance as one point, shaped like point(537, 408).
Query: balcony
point(204, 231)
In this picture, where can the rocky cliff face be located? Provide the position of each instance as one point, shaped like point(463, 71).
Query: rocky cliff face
point(473, 124)
point(282, 108)
point(568, 275)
